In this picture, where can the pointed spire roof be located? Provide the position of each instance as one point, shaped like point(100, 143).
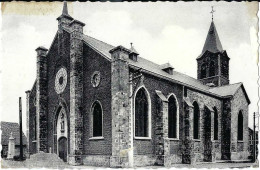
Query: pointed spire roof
point(65, 12)
point(212, 43)
point(65, 9)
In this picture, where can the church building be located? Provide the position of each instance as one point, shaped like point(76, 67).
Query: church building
point(99, 105)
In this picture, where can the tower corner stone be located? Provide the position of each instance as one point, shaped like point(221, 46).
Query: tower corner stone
point(122, 145)
point(41, 99)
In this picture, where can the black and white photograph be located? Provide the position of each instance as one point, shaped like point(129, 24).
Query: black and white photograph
point(107, 84)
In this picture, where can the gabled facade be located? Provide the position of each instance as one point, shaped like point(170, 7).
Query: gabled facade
point(96, 104)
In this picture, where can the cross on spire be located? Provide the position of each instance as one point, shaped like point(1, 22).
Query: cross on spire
point(212, 12)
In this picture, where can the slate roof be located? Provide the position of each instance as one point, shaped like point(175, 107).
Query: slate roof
point(155, 69)
point(227, 90)
point(7, 128)
point(166, 65)
point(212, 42)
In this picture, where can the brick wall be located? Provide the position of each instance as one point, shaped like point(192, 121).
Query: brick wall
point(147, 147)
point(55, 62)
point(94, 62)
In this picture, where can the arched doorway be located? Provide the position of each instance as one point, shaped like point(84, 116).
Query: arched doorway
point(61, 138)
point(207, 135)
point(63, 148)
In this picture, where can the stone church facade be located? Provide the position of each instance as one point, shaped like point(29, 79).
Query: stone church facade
point(96, 104)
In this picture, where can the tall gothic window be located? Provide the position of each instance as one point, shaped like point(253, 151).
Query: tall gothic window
point(196, 119)
point(35, 128)
point(212, 69)
point(240, 126)
point(203, 71)
point(141, 114)
point(215, 124)
point(97, 119)
point(172, 117)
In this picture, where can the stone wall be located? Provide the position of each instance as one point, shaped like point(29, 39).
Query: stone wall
point(206, 101)
point(239, 149)
point(32, 114)
point(96, 160)
point(222, 73)
point(42, 99)
point(76, 93)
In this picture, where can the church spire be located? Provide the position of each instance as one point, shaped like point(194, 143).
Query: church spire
point(65, 13)
point(212, 42)
point(65, 9)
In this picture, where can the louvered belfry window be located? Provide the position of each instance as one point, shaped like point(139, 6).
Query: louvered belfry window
point(203, 71)
point(97, 120)
point(141, 114)
point(212, 69)
point(172, 118)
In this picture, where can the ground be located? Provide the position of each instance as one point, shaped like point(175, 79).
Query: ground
point(23, 164)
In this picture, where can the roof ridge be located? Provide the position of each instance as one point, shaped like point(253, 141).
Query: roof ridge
point(98, 40)
point(227, 85)
point(175, 71)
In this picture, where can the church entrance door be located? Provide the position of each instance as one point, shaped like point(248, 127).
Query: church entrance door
point(62, 146)
point(207, 136)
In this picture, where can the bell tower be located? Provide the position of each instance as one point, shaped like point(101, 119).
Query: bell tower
point(213, 63)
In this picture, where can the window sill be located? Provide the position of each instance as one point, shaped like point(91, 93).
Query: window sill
point(196, 140)
point(97, 138)
point(142, 138)
point(173, 139)
point(240, 141)
point(34, 141)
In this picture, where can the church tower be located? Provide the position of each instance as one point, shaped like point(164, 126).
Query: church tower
point(213, 63)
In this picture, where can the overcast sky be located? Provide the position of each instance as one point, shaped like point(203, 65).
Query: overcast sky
point(161, 32)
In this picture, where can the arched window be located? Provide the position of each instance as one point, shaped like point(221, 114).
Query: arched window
point(35, 128)
point(212, 69)
point(141, 114)
point(240, 126)
point(203, 71)
point(172, 117)
point(215, 124)
point(97, 119)
point(196, 120)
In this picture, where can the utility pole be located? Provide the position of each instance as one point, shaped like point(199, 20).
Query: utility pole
point(21, 128)
point(254, 147)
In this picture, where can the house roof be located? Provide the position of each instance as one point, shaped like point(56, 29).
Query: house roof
point(7, 128)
